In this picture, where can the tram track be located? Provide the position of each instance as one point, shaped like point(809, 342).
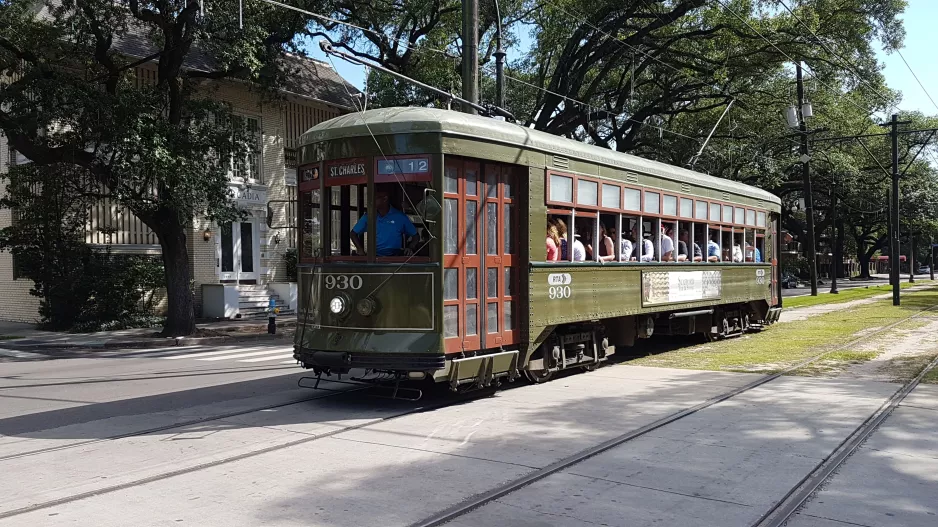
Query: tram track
point(797, 496)
point(309, 438)
point(444, 516)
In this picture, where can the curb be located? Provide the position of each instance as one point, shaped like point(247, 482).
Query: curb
point(167, 342)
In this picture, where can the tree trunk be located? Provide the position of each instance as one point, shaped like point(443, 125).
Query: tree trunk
point(863, 257)
point(180, 318)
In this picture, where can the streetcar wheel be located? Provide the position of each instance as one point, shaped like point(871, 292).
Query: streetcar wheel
point(538, 376)
point(593, 366)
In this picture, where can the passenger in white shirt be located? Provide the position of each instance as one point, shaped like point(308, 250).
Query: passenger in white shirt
point(667, 246)
point(579, 251)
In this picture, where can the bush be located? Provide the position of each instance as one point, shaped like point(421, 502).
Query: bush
point(290, 259)
point(79, 288)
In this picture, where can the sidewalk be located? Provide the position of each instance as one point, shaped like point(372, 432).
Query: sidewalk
point(26, 337)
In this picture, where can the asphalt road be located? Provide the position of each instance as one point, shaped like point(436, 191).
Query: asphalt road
point(825, 287)
point(222, 436)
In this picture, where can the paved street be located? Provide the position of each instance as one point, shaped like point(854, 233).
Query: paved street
point(210, 436)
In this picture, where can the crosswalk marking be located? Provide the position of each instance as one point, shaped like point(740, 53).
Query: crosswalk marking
point(245, 355)
point(205, 354)
point(262, 359)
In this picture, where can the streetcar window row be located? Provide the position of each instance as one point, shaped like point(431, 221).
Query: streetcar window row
point(590, 194)
point(585, 236)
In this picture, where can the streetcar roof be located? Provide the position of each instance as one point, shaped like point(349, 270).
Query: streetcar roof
point(386, 121)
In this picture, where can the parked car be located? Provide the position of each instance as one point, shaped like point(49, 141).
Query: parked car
point(789, 281)
point(923, 270)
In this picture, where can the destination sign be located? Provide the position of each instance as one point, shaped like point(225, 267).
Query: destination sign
point(414, 165)
point(347, 169)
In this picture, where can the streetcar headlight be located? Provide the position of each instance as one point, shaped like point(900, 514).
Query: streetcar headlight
point(366, 306)
point(337, 305)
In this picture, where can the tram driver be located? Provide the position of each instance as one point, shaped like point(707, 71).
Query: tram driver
point(392, 226)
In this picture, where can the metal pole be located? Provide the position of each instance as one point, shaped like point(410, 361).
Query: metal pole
point(931, 268)
point(835, 247)
point(894, 213)
point(693, 160)
point(911, 256)
point(806, 176)
point(499, 60)
point(470, 54)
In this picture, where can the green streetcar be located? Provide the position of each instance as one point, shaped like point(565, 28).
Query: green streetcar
point(472, 293)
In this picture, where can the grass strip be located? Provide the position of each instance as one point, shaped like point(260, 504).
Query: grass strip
point(846, 295)
point(9, 337)
point(783, 345)
point(931, 377)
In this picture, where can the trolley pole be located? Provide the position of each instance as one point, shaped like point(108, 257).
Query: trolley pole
point(470, 54)
point(806, 176)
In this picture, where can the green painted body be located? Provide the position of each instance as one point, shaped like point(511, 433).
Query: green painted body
point(409, 319)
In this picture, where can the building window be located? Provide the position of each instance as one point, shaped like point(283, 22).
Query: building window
point(248, 170)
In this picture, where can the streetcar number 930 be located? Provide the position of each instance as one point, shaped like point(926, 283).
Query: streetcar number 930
point(559, 291)
point(342, 281)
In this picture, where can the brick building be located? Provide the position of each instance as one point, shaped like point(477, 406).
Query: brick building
point(235, 267)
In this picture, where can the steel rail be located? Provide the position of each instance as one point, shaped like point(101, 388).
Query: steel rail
point(170, 426)
point(779, 514)
point(479, 500)
point(238, 457)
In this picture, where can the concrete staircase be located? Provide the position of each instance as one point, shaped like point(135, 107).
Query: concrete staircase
point(254, 300)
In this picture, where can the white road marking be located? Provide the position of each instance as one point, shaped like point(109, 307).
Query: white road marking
point(243, 355)
point(206, 354)
point(17, 354)
point(275, 357)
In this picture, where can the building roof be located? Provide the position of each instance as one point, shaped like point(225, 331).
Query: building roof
point(386, 121)
point(305, 77)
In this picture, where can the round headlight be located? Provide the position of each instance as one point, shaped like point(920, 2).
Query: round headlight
point(366, 306)
point(337, 305)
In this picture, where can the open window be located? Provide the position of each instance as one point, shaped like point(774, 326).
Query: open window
point(347, 211)
point(310, 212)
point(583, 247)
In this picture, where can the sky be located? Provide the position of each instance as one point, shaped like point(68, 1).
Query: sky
point(918, 50)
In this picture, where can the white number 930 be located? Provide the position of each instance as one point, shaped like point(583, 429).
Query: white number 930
point(342, 281)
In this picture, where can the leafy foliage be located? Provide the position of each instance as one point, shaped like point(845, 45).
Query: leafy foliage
point(79, 288)
point(162, 150)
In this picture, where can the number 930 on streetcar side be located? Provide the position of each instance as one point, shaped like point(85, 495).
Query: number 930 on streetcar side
point(459, 249)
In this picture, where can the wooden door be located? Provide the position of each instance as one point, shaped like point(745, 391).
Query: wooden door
point(461, 260)
point(500, 248)
point(480, 246)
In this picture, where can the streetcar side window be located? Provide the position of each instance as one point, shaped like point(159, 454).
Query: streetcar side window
point(760, 248)
point(739, 246)
point(608, 249)
point(669, 251)
point(727, 245)
point(311, 223)
point(347, 208)
point(558, 234)
point(420, 208)
point(628, 237)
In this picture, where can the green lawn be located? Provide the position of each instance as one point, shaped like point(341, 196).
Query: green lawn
point(845, 295)
point(931, 377)
point(9, 337)
point(783, 345)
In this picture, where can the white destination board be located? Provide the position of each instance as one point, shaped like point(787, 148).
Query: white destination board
point(670, 287)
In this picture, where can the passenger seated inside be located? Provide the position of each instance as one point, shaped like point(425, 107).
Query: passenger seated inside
point(579, 250)
point(625, 244)
point(753, 254)
point(682, 254)
point(737, 254)
point(553, 243)
point(667, 243)
point(644, 250)
point(562, 232)
point(606, 247)
point(713, 250)
point(392, 227)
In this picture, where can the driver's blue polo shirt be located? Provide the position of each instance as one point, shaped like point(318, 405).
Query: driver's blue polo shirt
point(391, 227)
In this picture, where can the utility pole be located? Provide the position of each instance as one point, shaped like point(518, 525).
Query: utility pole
point(894, 211)
point(806, 176)
point(499, 55)
point(835, 247)
point(931, 268)
point(470, 54)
